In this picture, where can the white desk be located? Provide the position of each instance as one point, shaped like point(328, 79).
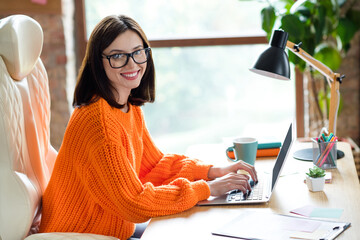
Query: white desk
point(290, 193)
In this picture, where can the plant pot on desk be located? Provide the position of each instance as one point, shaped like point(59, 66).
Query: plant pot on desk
point(315, 184)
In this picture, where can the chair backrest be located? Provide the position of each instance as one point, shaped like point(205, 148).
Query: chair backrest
point(26, 155)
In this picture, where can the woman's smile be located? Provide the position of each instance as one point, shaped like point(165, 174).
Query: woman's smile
point(130, 75)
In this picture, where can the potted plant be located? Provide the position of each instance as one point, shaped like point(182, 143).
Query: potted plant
point(325, 28)
point(315, 179)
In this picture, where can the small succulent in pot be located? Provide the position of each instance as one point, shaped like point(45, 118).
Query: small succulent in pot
point(316, 172)
point(315, 179)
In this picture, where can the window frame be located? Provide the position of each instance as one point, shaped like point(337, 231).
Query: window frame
point(81, 42)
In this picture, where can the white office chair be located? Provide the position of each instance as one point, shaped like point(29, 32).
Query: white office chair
point(26, 155)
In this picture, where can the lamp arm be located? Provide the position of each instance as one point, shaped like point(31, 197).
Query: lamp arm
point(332, 78)
point(319, 66)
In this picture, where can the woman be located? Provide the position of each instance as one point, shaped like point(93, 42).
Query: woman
point(109, 174)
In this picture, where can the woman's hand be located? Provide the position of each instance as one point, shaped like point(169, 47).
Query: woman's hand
point(216, 172)
point(229, 182)
point(227, 178)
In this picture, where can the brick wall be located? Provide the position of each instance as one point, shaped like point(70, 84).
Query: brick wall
point(349, 119)
point(55, 60)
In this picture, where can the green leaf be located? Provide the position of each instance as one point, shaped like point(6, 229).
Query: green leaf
point(293, 26)
point(305, 12)
point(329, 56)
point(321, 98)
point(299, 8)
point(268, 18)
point(346, 31)
point(319, 24)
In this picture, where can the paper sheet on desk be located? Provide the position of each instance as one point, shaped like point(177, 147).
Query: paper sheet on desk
point(317, 212)
point(309, 236)
point(261, 224)
point(264, 225)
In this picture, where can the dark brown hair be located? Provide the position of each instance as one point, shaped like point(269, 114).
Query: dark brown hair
point(92, 81)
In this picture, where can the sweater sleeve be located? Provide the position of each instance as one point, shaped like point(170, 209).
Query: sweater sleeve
point(114, 185)
point(162, 169)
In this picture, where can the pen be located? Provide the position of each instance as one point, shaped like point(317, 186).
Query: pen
point(331, 235)
point(335, 232)
point(323, 137)
point(334, 138)
point(330, 137)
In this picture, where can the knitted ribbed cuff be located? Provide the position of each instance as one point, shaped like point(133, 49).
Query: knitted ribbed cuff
point(202, 170)
point(202, 189)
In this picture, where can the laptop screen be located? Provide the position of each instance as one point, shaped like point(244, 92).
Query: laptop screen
point(281, 157)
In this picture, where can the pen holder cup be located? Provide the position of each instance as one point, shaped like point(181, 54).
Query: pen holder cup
point(324, 154)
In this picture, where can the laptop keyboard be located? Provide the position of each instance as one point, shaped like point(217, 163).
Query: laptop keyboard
point(255, 194)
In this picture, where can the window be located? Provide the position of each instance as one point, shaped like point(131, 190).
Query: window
point(205, 94)
point(164, 19)
point(210, 94)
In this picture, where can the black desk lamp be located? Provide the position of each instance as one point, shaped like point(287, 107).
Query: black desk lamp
point(274, 63)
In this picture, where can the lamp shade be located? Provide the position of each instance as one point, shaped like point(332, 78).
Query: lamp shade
point(274, 62)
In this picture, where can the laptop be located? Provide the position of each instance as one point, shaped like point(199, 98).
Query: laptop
point(261, 192)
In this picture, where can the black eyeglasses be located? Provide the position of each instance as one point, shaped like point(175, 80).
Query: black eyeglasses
point(119, 60)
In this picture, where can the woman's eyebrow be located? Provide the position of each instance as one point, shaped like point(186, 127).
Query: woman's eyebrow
point(137, 47)
point(122, 51)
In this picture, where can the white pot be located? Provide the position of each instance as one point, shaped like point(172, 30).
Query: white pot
point(315, 184)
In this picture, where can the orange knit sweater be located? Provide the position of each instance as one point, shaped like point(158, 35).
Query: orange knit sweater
point(109, 175)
